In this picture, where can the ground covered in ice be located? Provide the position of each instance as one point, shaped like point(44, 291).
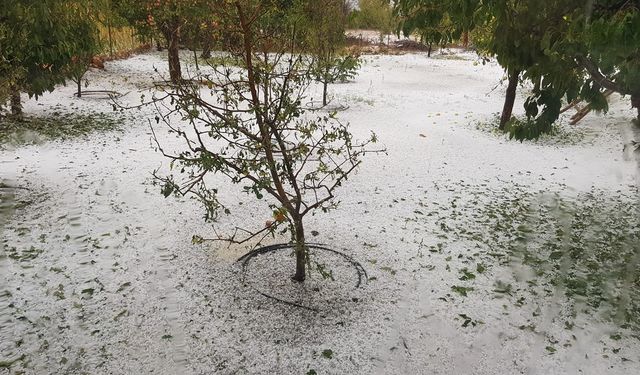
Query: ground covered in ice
point(483, 255)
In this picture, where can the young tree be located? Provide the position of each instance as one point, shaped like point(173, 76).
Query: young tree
point(39, 41)
point(428, 19)
point(85, 49)
point(200, 32)
point(251, 126)
point(323, 23)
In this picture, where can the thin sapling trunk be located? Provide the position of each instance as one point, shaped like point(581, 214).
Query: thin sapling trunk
point(206, 47)
point(16, 103)
point(635, 103)
point(325, 84)
point(300, 250)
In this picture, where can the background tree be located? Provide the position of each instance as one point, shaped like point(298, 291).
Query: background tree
point(251, 126)
point(323, 26)
point(39, 40)
point(429, 20)
point(167, 18)
point(569, 51)
point(200, 37)
point(84, 51)
point(566, 50)
point(374, 15)
point(504, 19)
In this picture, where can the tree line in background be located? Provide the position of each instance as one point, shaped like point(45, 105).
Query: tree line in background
point(568, 50)
point(44, 43)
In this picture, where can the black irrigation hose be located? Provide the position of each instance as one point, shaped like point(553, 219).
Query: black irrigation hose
point(184, 81)
point(110, 94)
point(312, 107)
point(163, 84)
point(286, 302)
point(245, 259)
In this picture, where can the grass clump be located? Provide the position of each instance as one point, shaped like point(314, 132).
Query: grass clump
point(57, 125)
point(525, 130)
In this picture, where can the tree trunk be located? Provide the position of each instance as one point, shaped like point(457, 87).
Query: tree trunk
point(173, 39)
point(324, 93)
point(206, 48)
point(110, 37)
point(429, 50)
point(195, 56)
point(16, 103)
point(301, 251)
point(509, 99)
point(635, 103)
point(79, 87)
point(325, 83)
point(465, 39)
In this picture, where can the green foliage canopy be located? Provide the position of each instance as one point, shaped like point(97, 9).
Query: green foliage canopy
point(40, 40)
